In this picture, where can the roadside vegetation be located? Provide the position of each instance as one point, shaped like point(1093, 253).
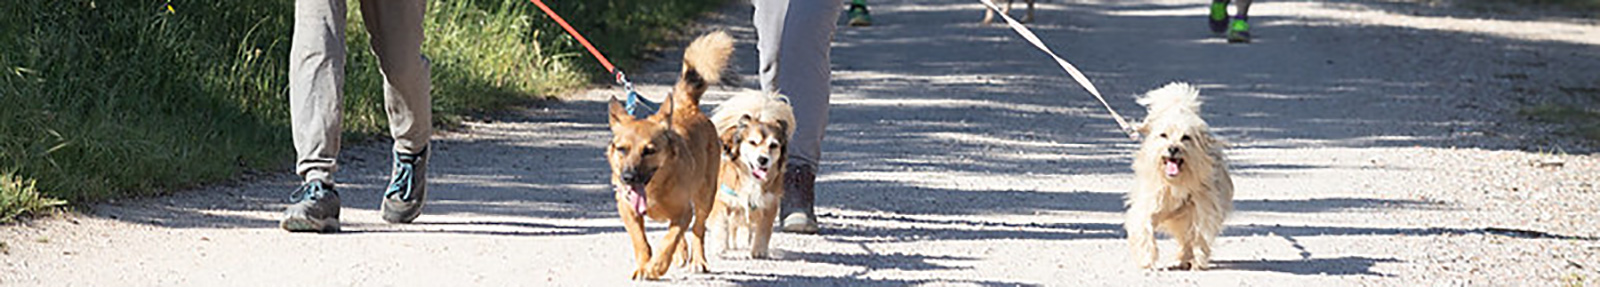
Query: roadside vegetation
point(111, 99)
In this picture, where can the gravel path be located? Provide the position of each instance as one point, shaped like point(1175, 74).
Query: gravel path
point(1375, 143)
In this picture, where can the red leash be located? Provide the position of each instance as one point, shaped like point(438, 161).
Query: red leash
point(585, 41)
point(636, 105)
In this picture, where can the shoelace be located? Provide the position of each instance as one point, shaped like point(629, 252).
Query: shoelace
point(403, 165)
point(307, 191)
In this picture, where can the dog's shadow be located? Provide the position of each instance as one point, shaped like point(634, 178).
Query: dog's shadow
point(868, 262)
point(1348, 265)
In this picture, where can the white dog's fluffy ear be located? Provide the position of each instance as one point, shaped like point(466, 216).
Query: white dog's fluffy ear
point(1174, 95)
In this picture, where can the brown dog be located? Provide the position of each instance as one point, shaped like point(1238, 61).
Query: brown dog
point(755, 131)
point(665, 166)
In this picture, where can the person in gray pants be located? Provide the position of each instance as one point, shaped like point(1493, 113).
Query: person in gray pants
point(792, 38)
point(316, 82)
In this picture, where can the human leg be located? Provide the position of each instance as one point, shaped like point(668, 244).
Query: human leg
point(316, 77)
point(396, 29)
point(793, 41)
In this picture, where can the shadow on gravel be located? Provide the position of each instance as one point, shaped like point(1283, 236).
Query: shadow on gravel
point(808, 280)
point(904, 198)
point(1348, 265)
point(850, 229)
point(993, 96)
point(494, 228)
point(875, 261)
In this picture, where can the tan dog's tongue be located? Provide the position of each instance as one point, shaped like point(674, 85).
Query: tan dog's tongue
point(636, 195)
point(1172, 168)
point(760, 173)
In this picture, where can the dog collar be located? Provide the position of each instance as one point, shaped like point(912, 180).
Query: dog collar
point(734, 197)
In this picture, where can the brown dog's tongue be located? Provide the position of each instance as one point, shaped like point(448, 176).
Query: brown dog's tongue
point(1172, 168)
point(636, 196)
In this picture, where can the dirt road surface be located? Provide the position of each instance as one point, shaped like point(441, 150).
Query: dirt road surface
point(1374, 143)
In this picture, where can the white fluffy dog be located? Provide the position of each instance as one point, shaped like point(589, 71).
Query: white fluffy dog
point(1183, 187)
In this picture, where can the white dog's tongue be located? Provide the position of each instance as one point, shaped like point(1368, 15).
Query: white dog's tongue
point(1172, 168)
point(760, 173)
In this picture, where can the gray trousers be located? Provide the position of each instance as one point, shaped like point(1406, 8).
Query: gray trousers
point(316, 78)
point(793, 37)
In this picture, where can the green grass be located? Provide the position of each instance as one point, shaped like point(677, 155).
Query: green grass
point(1590, 8)
point(1576, 121)
point(109, 99)
point(18, 197)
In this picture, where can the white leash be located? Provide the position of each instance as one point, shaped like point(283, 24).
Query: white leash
point(1072, 70)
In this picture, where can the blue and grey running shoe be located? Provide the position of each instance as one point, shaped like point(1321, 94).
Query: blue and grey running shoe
point(408, 186)
point(315, 208)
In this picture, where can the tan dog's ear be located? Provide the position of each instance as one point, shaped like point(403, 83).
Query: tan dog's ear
point(1143, 128)
point(783, 129)
point(618, 113)
point(744, 122)
point(730, 142)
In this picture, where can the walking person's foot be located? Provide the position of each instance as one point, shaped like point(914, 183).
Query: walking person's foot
point(859, 15)
point(315, 208)
point(799, 194)
point(1218, 20)
point(408, 186)
point(1239, 31)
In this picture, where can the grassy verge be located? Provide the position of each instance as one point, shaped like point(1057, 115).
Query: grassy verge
point(1576, 121)
point(107, 99)
point(1581, 120)
point(1583, 8)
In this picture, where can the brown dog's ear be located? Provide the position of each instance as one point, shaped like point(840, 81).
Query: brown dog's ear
point(618, 113)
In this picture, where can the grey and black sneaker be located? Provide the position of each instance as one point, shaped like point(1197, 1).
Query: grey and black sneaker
point(408, 186)
point(314, 208)
point(799, 195)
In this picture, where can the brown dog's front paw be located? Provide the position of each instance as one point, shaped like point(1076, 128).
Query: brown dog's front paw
point(699, 267)
point(643, 273)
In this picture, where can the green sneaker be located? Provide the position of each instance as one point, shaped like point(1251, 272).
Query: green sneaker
point(1219, 17)
point(1239, 31)
point(315, 208)
point(858, 14)
point(408, 186)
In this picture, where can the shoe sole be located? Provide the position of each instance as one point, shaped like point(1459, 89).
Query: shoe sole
point(1234, 38)
point(399, 214)
point(798, 226)
point(302, 224)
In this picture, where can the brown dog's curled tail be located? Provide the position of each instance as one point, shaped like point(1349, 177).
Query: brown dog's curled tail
point(703, 62)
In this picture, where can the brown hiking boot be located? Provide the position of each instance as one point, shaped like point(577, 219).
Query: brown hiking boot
point(799, 194)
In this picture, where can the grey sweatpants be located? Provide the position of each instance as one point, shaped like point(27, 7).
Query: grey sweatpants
point(316, 78)
point(793, 37)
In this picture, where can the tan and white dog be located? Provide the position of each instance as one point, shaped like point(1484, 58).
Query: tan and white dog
point(1183, 187)
point(755, 131)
